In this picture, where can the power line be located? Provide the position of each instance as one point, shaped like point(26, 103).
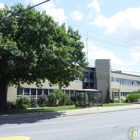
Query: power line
point(98, 33)
point(27, 9)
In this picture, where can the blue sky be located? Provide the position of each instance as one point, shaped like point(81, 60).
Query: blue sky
point(111, 26)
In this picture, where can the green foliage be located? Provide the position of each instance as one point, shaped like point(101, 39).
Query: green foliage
point(43, 99)
point(33, 48)
point(133, 96)
point(123, 99)
point(23, 99)
point(11, 105)
point(113, 96)
point(111, 101)
point(42, 105)
point(95, 100)
point(72, 97)
point(70, 102)
point(116, 100)
point(127, 100)
point(22, 106)
point(58, 97)
point(33, 103)
point(107, 99)
point(52, 99)
point(32, 51)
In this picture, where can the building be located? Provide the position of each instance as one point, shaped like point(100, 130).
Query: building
point(99, 77)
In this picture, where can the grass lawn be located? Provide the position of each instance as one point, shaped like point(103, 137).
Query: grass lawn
point(115, 104)
point(57, 108)
point(42, 109)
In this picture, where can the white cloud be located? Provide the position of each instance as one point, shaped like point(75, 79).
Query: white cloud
point(76, 15)
point(95, 5)
point(124, 25)
point(129, 18)
point(116, 63)
point(1, 5)
point(57, 13)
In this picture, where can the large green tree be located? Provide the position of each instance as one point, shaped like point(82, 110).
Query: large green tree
point(33, 47)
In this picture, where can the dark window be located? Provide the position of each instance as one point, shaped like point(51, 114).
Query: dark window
point(26, 91)
point(46, 91)
point(91, 86)
point(91, 75)
point(86, 85)
point(19, 91)
point(39, 91)
point(33, 91)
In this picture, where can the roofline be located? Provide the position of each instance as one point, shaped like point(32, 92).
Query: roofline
point(125, 73)
point(87, 90)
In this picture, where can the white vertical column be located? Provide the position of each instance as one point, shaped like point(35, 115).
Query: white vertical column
point(36, 93)
point(23, 92)
point(42, 91)
point(30, 92)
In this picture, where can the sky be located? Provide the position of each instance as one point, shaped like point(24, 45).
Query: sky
point(110, 29)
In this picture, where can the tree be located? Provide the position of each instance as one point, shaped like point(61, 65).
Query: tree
point(107, 99)
point(33, 48)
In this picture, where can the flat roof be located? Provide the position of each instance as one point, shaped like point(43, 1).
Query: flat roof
point(87, 90)
point(117, 72)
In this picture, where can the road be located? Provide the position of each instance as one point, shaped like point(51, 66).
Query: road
point(99, 126)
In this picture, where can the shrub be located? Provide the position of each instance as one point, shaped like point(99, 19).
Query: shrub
point(133, 96)
point(22, 106)
point(123, 99)
point(127, 100)
point(95, 99)
point(42, 105)
point(72, 97)
point(22, 99)
point(43, 99)
point(107, 99)
point(116, 100)
point(111, 101)
point(11, 105)
point(52, 99)
point(33, 103)
point(70, 102)
point(64, 99)
point(58, 97)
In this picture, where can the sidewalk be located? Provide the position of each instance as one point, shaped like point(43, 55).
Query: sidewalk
point(50, 115)
point(93, 110)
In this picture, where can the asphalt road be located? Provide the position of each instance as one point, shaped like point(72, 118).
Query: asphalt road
point(99, 126)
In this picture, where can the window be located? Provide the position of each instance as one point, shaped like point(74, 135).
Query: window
point(39, 91)
point(46, 91)
point(33, 91)
point(20, 91)
point(86, 76)
point(26, 91)
point(91, 75)
point(91, 86)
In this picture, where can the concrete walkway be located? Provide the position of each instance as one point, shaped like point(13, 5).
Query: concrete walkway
point(34, 117)
point(93, 110)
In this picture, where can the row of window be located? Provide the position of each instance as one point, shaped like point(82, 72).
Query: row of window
point(126, 81)
point(116, 94)
point(35, 93)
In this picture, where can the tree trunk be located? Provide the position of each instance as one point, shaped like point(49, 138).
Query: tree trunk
point(3, 96)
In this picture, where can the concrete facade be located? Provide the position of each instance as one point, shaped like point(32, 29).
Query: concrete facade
point(99, 77)
point(102, 74)
point(13, 91)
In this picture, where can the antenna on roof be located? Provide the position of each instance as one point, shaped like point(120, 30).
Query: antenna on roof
point(87, 46)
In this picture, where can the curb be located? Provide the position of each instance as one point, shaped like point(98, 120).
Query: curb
point(58, 114)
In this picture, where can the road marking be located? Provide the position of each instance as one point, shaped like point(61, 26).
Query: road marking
point(15, 138)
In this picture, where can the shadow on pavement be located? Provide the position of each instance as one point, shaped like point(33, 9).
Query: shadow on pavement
point(29, 117)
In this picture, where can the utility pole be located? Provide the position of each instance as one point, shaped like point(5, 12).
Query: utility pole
point(87, 46)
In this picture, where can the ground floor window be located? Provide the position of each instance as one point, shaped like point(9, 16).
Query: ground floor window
point(35, 92)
